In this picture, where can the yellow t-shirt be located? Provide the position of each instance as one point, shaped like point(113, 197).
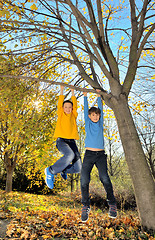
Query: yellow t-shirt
point(66, 126)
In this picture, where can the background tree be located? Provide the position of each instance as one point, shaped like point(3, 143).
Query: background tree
point(92, 44)
point(26, 121)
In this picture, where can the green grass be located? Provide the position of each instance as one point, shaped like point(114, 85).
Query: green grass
point(19, 201)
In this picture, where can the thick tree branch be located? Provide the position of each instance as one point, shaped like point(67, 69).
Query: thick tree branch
point(105, 95)
point(50, 82)
point(100, 20)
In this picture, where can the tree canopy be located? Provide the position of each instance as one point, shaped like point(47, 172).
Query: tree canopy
point(81, 40)
point(27, 119)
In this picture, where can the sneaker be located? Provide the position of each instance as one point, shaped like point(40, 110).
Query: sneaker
point(112, 211)
point(64, 175)
point(85, 213)
point(49, 179)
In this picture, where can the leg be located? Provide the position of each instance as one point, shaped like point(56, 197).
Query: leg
point(66, 159)
point(75, 167)
point(87, 166)
point(101, 165)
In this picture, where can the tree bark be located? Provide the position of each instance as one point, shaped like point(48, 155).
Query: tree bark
point(143, 183)
point(10, 165)
point(9, 170)
point(72, 183)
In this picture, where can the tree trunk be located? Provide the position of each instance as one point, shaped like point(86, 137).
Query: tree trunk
point(140, 173)
point(77, 181)
point(9, 170)
point(72, 183)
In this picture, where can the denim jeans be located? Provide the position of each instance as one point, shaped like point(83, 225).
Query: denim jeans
point(70, 162)
point(99, 158)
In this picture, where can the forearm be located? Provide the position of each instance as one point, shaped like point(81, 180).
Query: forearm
point(99, 101)
point(86, 107)
point(74, 101)
point(61, 90)
point(100, 106)
point(60, 102)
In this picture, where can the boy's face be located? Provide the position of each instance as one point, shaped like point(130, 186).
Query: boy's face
point(94, 117)
point(67, 107)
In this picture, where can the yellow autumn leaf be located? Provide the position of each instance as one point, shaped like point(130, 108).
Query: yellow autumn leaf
point(33, 7)
point(45, 236)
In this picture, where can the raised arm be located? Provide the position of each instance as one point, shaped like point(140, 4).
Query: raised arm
point(72, 91)
point(86, 108)
point(74, 101)
point(100, 105)
point(61, 90)
point(60, 100)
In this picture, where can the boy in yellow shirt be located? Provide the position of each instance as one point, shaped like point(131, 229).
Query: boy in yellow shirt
point(66, 133)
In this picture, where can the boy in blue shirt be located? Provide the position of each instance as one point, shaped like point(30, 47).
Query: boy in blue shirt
point(95, 154)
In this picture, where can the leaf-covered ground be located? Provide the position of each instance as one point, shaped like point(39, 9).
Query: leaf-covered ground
point(30, 216)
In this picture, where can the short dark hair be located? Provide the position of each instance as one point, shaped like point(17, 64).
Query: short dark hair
point(67, 101)
point(94, 110)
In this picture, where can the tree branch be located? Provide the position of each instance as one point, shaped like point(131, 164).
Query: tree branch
point(51, 82)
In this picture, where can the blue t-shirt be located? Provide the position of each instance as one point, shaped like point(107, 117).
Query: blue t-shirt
point(94, 131)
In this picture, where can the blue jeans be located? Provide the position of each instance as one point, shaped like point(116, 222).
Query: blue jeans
point(70, 162)
point(99, 158)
